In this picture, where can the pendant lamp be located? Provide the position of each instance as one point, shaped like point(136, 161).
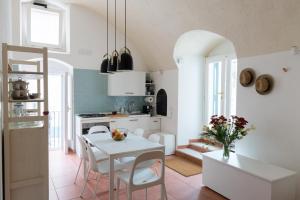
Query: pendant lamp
point(126, 61)
point(114, 62)
point(106, 58)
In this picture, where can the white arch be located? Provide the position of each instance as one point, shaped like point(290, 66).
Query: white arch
point(54, 69)
point(197, 43)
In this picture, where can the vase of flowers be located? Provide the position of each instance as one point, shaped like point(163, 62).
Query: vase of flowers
point(226, 131)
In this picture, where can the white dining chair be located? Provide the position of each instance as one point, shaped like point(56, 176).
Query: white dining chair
point(142, 178)
point(98, 129)
point(99, 156)
point(139, 132)
point(130, 159)
point(154, 138)
point(100, 168)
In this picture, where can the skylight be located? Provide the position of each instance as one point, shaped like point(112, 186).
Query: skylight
point(45, 27)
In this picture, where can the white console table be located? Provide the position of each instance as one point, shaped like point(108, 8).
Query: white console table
point(242, 178)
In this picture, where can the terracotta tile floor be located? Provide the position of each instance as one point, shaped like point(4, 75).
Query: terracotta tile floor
point(63, 170)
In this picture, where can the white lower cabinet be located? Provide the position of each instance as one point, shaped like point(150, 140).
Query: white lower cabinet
point(149, 124)
point(154, 124)
point(118, 123)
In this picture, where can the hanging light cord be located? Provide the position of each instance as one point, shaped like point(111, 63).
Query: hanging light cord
point(115, 25)
point(125, 21)
point(107, 28)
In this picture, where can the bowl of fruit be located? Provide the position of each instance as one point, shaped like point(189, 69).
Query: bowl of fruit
point(119, 134)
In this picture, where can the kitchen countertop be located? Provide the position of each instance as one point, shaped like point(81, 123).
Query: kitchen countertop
point(117, 116)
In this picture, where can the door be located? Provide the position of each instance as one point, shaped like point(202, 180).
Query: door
point(221, 81)
point(26, 133)
point(60, 107)
point(68, 109)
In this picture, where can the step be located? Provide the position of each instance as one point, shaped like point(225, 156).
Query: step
point(190, 154)
point(203, 147)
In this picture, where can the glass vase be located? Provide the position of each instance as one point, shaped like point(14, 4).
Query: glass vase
point(226, 151)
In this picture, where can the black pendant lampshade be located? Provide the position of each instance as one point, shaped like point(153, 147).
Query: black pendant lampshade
point(114, 62)
point(106, 61)
point(105, 64)
point(126, 61)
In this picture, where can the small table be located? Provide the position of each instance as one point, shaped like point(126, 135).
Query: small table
point(132, 145)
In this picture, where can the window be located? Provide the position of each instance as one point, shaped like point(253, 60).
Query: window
point(44, 27)
point(221, 81)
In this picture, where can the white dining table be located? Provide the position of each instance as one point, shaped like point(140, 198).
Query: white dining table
point(132, 145)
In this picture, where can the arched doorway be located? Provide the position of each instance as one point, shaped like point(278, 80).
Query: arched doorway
point(206, 80)
point(60, 92)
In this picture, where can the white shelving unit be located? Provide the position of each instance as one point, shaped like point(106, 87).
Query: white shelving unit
point(25, 136)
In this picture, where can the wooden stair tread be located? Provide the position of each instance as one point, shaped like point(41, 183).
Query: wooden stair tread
point(209, 147)
point(191, 152)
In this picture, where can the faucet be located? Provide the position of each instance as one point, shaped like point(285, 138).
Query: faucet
point(130, 106)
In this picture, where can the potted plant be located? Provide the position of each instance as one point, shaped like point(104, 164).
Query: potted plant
point(226, 131)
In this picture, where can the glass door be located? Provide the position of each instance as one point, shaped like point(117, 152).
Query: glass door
point(221, 81)
point(56, 125)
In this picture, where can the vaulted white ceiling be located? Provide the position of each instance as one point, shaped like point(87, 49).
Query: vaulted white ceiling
point(254, 26)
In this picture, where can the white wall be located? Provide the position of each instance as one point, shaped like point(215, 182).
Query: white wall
point(168, 80)
point(87, 38)
point(276, 116)
point(224, 48)
point(5, 36)
point(190, 98)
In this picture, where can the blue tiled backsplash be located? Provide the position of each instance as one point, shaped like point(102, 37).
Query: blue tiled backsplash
point(90, 94)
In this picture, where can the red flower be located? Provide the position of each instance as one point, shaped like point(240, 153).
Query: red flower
point(218, 121)
point(239, 122)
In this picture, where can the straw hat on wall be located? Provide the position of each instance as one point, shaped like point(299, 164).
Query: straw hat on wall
point(247, 77)
point(264, 84)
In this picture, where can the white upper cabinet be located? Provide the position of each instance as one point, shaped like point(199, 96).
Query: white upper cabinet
point(127, 84)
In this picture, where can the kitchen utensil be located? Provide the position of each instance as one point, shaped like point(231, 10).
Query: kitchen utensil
point(19, 109)
point(34, 95)
point(130, 106)
point(19, 94)
point(122, 110)
point(147, 109)
point(20, 84)
point(114, 112)
point(149, 99)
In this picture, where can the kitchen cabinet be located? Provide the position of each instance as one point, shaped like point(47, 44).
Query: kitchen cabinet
point(129, 123)
point(149, 124)
point(118, 123)
point(127, 84)
point(154, 123)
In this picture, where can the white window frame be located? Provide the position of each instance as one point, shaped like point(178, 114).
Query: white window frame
point(25, 23)
point(225, 86)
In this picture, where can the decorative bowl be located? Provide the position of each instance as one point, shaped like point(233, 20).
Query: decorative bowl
point(119, 134)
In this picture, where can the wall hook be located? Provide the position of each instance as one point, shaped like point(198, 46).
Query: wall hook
point(285, 69)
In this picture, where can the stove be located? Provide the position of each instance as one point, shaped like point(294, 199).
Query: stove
point(92, 115)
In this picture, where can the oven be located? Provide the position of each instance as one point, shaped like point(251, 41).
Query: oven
point(84, 122)
point(85, 127)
